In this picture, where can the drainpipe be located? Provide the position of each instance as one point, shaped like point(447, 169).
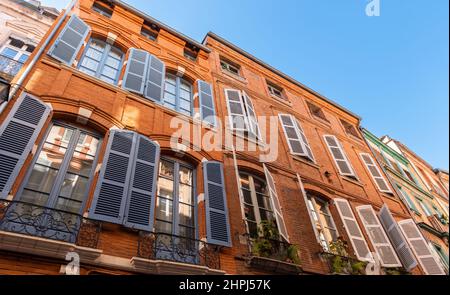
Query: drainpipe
point(33, 62)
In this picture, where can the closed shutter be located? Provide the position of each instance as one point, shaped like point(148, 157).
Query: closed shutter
point(420, 248)
point(110, 196)
point(251, 116)
point(339, 156)
point(276, 204)
point(398, 240)
point(378, 237)
point(236, 110)
point(70, 40)
point(207, 109)
point(217, 221)
point(18, 133)
point(135, 74)
point(295, 136)
point(141, 195)
point(154, 85)
point(376, 173)
point(352, 228)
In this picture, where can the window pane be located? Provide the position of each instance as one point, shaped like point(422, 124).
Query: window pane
point(264, 201)
point(42, 179)
point(185, 175)
point(186, 195)
point(23, 58)
point(165, 188)
point(249, 213)
point(186, 215)
point(260, 186)
point(32, 197)
point(51, 156)
point(59, 136)
point(74, 187)
point(187, 232)
point(87, 144)
point(164, 209)
point(247, 196)
point(8, 52)
point(166, 169)
point(163, 227)
point(68, 205)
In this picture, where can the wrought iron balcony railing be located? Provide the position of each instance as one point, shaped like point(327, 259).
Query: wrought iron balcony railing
point(160, 246)
point(344, 265)
point(9, 66)
point(274, 249)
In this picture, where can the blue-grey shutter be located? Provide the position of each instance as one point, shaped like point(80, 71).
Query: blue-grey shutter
point(154, 84)
point(70, 40)
point(111, 194)
point(135, 74)
point(141, 196)
point(207, 109)
point(18, 133)
point(217, 221)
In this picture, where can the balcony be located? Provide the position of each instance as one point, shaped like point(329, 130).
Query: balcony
point(438, 223)
point(343, 265)
point(9, 67)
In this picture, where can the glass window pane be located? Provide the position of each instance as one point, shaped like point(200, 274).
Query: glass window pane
point(249, 213)
point(166, 169)
point(23, 58)
point(187, 232)
point(244, 181)
point(163, 227)
point(185, 175)
point(51, 156)
point(260, 186)
point(87, 144)
point(42, 179)
point(59, 136)
point(32, 197)
point(247, 196)
point(165, 188)
point(264, 201)
point(74, 187)
point(186, 215)
point(186, 195)
point(68, 205)
point(164, 209)
point(8, 52)
point(266, 215)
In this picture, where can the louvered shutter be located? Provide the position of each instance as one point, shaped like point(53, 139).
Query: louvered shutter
point(397, 239)
point(353, 230)
point(378, 237)
point(236, 110)
point(292, 137)
point(154, 85)
point(276, 204)
point(111, 194)
point(207, 110)
point(18, 133)
point(142, 188)
point(339, 156)
point(251, 116)
point(304, 140)
point(376, 173)
point(407, 199)
point(136, 72)
point(217, 221)
point(70, 40)
point(420, 248)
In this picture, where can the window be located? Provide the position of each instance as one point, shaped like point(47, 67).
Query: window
point(275, 90)
point(317, 111)
point(178, 94)
point(175, 200)
point(190, 54)
point(408, 200)
point(442, 255)
point(62, 170)
point(350, 129)
point(339, 156)
point(102, 60)
point(257, 203)
point(324, 223)
point(102, 9)
point(150, 31)
point(242, 113)
point(17, 50)
point(424, 206)
point(230, 67)
point(409, 175)
point(375, 173)
point(295, 136)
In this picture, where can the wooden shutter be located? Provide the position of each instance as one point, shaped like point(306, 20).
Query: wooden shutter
point(135, 75)
point(353, 230)
point(154, 85)
point(295, 136)
point(339, 156)
point(420, 248)
point(110, 196)
point(276, 204)
point(376, 173)
point(304, 140)
point(70, 40)
point(142, 188)
point(407, 199)
point(251, 116)
point(18, 133)
point(236, 110)
point(206, 98)
point(378, 237)
point(217, 221)
point(398, 240)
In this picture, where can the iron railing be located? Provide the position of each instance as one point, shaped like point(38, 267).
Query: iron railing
point(344, 265)
point(273, 249)
point(9, 66)
point(161, 246)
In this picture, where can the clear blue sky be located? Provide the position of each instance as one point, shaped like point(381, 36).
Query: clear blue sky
point(392, 70)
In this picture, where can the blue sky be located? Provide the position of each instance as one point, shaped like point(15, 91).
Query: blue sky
point(392, 70)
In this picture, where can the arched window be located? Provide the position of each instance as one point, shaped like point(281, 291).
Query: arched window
point(102, 60)
point(178, 94)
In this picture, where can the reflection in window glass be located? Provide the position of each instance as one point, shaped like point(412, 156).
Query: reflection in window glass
point(178, 94)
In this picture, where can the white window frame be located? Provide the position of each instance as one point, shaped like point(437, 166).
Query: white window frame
point(373, 176)
point(20, 51)
point(313, 200)
point(227, 66)
point(300, 135)
point(353, 173)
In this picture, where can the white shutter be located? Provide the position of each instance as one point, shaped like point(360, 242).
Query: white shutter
point(339, 156)
point(376, 173)
point(251, 116)
point(136, 72)
point(353, 230)
point(156, 74)
point(420, 248)
point(444, 207)
point(304, 140)
point(398, 240)
point(206, 103)
point(295, 137)
point(378, 237)
point(236, 110)
point(276, 204)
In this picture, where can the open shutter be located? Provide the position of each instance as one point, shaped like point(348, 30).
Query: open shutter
point(110, 196)
point(308, 149)
point(236, 110)
point(298, 144)
point(70, 40)
point(18, 133)
point(339, 156)
point(407, 199)
point(141, 195)
point(378, 237)
point(251, 116)
point(207, 109)
point(376, 173)
point(217, 221)
point(353, 230)
point(420, 248)
point(276, 204)
point(135, 74)
point(398, 240)
point(154, 84)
